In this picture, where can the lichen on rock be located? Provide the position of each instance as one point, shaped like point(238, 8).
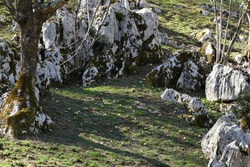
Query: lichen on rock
point(9, 63)
point(226, 144)
point(225, 84)
point(130, 39)
point(179, 71)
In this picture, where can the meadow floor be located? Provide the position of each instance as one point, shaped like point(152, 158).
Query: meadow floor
point(117, 123)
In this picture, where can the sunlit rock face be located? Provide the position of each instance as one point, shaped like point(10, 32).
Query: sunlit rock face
point(225, 84)
point(190, 78)
point(226, 144)
point(204, 36)
point(127, 40)
point(208, 51)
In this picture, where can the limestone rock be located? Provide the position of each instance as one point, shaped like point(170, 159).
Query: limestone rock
point(42, 122)
point(49, 34)
point(208, 51)
point(57, 55)
point(190, 78)
point(205, 12)
point(90, 76)
point(200, 113)
point(49, 69)
point(10, 65)
point(207, 6)
point(168, 73)
point(125, 3)
point(164, 38)
point(226, 144)
point(204, 35)
point(225, 84)
point(127, 40)
point(67, 24)
point(92, 4)
point(240, 59)
point(165, 74)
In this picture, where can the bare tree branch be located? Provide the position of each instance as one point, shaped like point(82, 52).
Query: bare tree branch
point(220, 34)
point(240, 23)
point(51, 7)
point(217, 33)
point(225, 34)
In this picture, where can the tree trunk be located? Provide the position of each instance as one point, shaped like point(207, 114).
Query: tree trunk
point(21, 106)
point(21, 110)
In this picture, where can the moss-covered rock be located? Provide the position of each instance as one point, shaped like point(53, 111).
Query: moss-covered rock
point(168, 73)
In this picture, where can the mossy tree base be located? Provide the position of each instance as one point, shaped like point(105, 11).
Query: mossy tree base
point(21, 111)
point(20, 107)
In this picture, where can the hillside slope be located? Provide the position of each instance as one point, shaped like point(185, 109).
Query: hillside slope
point(121, 122)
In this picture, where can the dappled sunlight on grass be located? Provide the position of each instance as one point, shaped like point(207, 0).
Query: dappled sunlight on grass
point(119, 123)
point(130, 121)
point(109, 125)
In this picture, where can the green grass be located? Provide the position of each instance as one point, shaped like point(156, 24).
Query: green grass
point(182, 20)
point(5, 23)
point(119, 123)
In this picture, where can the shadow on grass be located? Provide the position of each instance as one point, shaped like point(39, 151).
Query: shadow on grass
point(82, 112)
point(91, 144)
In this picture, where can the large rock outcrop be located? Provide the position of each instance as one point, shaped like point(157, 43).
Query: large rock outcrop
point(226, 144)
point(127, 40)
point(225, 84)
point(181, 71)
point(199, 113)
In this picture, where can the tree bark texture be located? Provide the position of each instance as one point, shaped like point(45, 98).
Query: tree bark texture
point(21, 106)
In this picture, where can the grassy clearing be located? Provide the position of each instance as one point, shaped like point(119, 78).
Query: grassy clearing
point(120, 123)
point(182, 19)
point(5, 23)
point(177, 20)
